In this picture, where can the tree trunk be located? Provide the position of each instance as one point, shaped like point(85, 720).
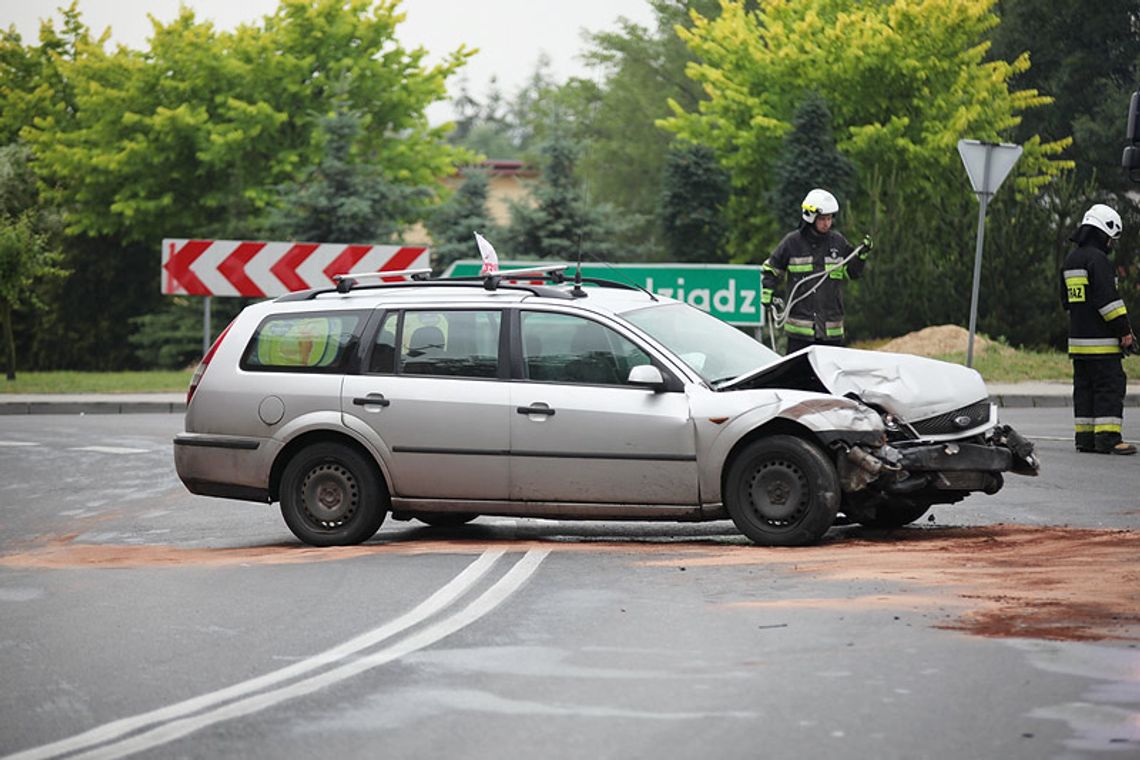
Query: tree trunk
point(9, 342)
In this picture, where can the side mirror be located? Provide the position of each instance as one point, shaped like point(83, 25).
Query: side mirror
point(1131, 161)
point(647, 376)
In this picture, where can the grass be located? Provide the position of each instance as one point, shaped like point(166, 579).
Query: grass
point(1002, 364)
point(98, 382)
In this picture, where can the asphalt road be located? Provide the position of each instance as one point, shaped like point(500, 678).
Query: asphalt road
point(136, 619)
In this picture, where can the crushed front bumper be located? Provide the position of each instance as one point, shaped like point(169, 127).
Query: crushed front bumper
point(905, 468)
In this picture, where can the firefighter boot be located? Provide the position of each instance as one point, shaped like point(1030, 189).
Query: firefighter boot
point(1111, 443)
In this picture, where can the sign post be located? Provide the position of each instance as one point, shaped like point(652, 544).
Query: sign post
point(987, 164)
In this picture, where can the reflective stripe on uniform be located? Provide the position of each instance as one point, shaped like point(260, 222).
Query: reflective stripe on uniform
point(1094, 346)
point(1075, 282)
point(833, 329)
point(800, 264)
point(1107, 424)
point(1111, 311)
point(800, 327)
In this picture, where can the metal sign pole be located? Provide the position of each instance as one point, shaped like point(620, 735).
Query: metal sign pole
point(983, 202)
point(205, 325)
point(987, 165)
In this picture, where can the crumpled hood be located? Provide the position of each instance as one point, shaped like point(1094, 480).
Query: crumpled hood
point(912, 387)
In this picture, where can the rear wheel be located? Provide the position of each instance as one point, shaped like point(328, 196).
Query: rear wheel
point(782, 491)
point(332, 495)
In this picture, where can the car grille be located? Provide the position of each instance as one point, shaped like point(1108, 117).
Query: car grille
point(978, 414)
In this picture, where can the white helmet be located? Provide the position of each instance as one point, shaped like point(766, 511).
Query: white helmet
point(1102, 217)
point(819, 201)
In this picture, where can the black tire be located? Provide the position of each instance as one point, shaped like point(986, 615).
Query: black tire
point(332, 495)
point(445, 519)
point(896, 513)
point(782, 491)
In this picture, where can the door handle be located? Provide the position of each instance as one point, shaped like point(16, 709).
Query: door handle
point(374, 399)
point(536, 410)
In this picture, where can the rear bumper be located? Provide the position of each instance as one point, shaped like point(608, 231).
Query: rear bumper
point(229, 467)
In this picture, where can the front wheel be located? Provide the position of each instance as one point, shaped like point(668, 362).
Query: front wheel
point(782, 491)
point(332, 495)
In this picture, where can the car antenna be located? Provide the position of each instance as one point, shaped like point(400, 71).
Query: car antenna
point(577, 291)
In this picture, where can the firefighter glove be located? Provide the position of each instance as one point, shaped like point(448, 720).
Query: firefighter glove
point(868, 244)
point(765, 296)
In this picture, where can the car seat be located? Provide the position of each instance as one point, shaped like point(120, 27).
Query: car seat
point(594, 359)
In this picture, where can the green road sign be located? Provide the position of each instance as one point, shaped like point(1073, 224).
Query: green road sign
point(728, 291)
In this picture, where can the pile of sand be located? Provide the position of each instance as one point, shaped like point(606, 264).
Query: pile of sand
point(936, 340)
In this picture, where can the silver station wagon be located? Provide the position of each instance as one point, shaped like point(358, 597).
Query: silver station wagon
point(525, 393)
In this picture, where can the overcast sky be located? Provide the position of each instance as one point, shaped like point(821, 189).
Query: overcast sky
point(510, 34)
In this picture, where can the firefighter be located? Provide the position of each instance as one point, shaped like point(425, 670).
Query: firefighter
point(815, 303)
point(1099, 333)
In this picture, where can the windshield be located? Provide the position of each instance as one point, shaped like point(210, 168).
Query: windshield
point(715, 350)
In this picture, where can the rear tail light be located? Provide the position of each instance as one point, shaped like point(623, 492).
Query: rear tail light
point(201, 369)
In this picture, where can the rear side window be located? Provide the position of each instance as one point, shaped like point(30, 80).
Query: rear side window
point(303, 343)
point(458, 343)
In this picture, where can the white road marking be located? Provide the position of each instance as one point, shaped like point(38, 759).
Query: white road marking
point(485, 603)
point(17, 443)
point(109, 450)
point(446, 595)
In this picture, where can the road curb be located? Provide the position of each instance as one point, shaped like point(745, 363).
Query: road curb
point(90, 407)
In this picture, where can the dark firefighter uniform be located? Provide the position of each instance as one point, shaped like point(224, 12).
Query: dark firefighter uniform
point(818, 318)
point(1097, 322)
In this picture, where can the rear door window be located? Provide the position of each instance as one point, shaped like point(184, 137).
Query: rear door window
point(451, 343)
point(303, 342)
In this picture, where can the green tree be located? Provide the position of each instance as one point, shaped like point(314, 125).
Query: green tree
point(1089, 75)
point(26, 260)
point(342, 199)
point(196, 135)
point(147, 155)
point(455, 221)
point(29, 263)
point(636, 71)
point(809, 159)
point(695, 190)
point(561, 224)
point(904, 82)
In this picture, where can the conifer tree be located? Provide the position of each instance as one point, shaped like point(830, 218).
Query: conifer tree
point(809, 159)
point(694, 192)
point(454, 223)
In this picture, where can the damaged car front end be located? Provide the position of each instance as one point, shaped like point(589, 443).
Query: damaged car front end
point(940, 439)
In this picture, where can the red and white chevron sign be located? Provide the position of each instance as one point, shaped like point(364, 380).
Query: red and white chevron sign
point(260, 269)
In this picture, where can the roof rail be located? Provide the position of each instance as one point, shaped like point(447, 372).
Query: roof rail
point(504, 279)
point(346, 282)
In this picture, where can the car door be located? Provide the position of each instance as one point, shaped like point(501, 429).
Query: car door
point(433, 393)
point(581, 433)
